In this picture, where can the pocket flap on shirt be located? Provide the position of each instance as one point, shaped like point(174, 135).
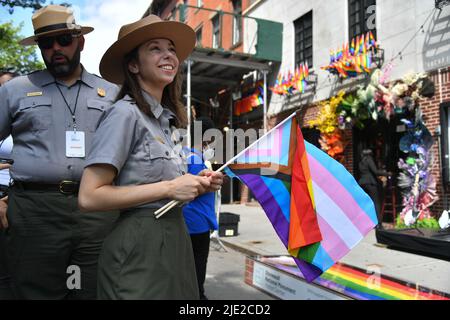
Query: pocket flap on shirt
point(96, 104)
point(33, 102)
point(159, 150)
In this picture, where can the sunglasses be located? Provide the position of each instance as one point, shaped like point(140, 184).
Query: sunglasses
point(63, 40)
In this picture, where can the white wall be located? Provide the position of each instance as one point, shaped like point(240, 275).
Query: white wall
point(397, 23)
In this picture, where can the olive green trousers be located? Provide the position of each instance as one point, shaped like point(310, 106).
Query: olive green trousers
point(148, 258)
point(52, 247)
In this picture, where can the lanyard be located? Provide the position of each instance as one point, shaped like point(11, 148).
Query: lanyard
point(68, 106)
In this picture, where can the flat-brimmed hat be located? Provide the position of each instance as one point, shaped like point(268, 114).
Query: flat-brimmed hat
point(134, 34)
point(53, 19)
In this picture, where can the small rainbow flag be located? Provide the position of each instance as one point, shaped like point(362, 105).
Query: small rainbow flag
point(354, 58)
point(314, 204)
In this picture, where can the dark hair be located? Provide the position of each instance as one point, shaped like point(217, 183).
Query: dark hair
point(170, 97)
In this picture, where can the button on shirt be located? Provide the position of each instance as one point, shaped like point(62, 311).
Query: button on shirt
point(138, 146)
point(33, 110)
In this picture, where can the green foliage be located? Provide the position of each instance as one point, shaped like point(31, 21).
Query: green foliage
point(10, 4)
point(428, 223)
point(34, 4)
point(14, 56)
point(353, 111)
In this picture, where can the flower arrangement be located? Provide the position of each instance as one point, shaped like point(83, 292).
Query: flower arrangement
point(328, 125)
point(415, 179)
point(378, 99)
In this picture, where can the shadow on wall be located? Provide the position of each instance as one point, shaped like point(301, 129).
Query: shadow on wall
point(436, 47)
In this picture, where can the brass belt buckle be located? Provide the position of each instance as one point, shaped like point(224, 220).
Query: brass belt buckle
point(65, 183)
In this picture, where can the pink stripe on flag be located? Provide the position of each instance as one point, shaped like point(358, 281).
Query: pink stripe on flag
point(339, 194)
point(273, 147)
point(332, 242)
point(279, 141)
point(259, 152)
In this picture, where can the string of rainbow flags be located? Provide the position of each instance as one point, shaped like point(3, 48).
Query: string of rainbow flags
point(287, 84)
point(353, 59)
point(349, 61)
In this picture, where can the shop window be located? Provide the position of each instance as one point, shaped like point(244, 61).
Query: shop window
point(216, 32)
point(304, 39)
point(361, 17)
point(237, 21)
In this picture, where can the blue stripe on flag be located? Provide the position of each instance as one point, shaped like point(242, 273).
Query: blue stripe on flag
point(280, 194)
point(322, 259)
point(286, 138)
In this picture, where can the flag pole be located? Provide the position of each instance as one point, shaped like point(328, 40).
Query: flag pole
point(158, 213)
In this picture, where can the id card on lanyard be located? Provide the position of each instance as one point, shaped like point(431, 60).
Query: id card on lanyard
point(75, 144)
point(75, 140)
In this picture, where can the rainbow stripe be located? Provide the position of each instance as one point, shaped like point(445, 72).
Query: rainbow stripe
point(358, 284)
point(314, 204)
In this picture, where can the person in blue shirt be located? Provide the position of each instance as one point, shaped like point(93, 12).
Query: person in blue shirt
point(199, 214)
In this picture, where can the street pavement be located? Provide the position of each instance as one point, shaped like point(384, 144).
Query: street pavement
point(225, 277)
point(256, 236)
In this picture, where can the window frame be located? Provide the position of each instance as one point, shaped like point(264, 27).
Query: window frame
point(301, 27)
point(361, 17)
point(219, 40)
point(199, 30)
point(237, 21)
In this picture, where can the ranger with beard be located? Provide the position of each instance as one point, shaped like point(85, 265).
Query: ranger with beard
point(52, 248)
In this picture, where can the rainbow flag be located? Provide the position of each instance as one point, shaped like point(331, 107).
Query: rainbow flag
point(315, 205)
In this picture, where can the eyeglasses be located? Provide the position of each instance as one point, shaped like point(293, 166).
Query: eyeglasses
point(63, 40)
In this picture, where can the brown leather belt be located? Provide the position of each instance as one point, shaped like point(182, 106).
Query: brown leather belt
point(65, 186)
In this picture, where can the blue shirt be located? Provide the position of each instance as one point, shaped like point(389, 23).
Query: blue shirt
point(199, 214)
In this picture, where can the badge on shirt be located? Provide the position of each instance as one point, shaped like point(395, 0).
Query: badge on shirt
point(101, 92)
point(75, 146)
point(159, 139)
point(34, 94)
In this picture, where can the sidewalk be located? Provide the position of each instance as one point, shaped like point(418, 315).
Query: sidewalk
point(256, 236)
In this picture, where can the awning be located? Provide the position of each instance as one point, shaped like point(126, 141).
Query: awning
point(210, 71)
point(215, 70)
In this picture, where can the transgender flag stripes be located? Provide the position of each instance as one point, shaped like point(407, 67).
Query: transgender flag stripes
point(314, 204)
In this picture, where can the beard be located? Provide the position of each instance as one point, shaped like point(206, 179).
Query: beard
point(63, 69)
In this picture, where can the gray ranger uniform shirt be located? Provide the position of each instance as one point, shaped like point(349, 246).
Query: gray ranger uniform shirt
point(140, 147)
point(33, 110)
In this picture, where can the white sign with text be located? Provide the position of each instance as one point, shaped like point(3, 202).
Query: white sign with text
point(286, 287)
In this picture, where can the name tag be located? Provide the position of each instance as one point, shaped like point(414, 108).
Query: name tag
point(75, 146)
